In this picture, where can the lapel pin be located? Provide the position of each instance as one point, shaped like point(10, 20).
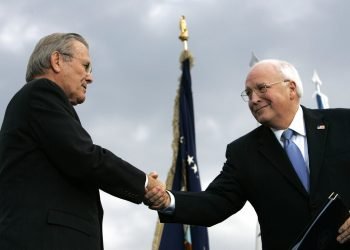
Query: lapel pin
point(321, 126)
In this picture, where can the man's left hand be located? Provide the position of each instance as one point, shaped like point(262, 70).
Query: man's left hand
point(344, 232)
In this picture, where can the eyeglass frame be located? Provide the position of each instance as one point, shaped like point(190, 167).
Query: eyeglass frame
point(87, 66)
point(260, 89)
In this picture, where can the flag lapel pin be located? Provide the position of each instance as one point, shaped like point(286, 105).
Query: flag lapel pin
point(322, 126)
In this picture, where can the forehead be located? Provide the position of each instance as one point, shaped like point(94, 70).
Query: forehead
point(263, 73)
point(79, 49)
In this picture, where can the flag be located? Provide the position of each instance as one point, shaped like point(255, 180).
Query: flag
point(184, 173)
point(322, 99)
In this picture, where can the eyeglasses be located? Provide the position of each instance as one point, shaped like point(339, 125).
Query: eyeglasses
point(260, 89)
point(87, 66)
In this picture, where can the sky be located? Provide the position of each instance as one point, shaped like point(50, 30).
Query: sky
point(135, 51)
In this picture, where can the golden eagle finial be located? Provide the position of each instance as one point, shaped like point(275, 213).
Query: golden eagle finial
point(183, 29)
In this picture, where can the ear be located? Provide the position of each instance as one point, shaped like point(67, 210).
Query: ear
point(56, 61)
point(293, 90)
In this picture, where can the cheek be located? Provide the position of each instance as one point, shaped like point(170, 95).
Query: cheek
point(277, 102)
point(250, 105)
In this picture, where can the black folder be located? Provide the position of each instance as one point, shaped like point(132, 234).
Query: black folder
point(322, 232)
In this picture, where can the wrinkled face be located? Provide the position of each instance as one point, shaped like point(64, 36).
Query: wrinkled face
point(76, 73)
point(278, 104)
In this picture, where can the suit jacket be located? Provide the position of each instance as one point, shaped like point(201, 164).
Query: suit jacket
point(51, 173)
point(259, 171)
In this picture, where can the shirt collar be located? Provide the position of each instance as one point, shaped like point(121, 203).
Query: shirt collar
point(298, 125)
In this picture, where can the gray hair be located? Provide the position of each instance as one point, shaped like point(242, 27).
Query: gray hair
point(40, 59)
point(287, 70)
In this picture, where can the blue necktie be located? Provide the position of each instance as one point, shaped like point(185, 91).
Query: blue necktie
point(296, 158)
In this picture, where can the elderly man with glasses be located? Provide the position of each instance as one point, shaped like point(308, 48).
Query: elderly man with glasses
point(50, 169)
point(286, 190)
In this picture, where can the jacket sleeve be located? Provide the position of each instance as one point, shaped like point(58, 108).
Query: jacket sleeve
point(59, 134)
point(223, 197)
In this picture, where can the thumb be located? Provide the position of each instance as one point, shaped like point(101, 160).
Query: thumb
point(153, 174)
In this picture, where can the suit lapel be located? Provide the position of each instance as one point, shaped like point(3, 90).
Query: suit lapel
point(272, 150)
point(316, 134)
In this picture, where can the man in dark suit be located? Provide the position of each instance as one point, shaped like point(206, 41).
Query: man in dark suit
point(50, 169)
point(258, 169)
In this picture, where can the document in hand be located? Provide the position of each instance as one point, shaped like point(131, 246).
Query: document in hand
point(322, 232)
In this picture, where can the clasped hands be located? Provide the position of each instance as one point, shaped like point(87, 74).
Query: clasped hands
point(156, 196)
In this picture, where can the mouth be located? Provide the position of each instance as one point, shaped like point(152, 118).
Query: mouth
point(260, 108)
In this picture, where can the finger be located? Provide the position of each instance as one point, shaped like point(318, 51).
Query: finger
point(344, 237)
point(157, 198)
point(153, 182)
point(150, 194)
point(344, 231)
point(155, 207)
point(153, 174)
point(158, 201)
point(161, 203)
point(345, 226)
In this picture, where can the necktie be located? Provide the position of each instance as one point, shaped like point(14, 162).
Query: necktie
point(296, 158)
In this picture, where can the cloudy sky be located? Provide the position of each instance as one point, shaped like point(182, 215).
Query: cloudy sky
point(135, 53)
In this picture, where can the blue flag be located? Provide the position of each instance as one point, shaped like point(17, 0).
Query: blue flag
point(184, 173)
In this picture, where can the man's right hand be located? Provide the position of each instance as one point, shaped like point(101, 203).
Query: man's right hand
point(156, 196)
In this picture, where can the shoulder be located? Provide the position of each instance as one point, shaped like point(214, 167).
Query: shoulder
point(328, 114)
point(45, 91)
point(250, 139)
point(43, 94)
point(45, 86)
point(38, 89)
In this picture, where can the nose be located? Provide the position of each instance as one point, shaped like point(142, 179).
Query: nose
point(254, 98)
point(89, 79)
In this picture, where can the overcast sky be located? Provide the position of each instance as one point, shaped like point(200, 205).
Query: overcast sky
point(135, 53)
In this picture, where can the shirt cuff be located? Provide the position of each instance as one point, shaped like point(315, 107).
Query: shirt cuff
point(171, 208)
point(146, 182)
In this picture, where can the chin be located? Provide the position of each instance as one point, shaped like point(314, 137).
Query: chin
point(261, 119)
point(78, 101)
point(81, 101)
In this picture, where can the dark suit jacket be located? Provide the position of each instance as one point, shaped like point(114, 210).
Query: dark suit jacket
point(51, 173)
point(258, 170)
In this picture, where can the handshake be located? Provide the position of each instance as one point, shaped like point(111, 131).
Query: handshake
point(156, 196)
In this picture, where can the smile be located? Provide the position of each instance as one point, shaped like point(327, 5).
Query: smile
point(260, 108)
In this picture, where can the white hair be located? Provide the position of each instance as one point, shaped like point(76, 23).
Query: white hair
point(287, 70)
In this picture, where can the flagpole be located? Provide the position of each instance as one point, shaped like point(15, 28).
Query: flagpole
point(183, 32)
point(183, 174)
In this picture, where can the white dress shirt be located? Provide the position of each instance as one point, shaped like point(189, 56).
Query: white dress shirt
point(299, 138)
